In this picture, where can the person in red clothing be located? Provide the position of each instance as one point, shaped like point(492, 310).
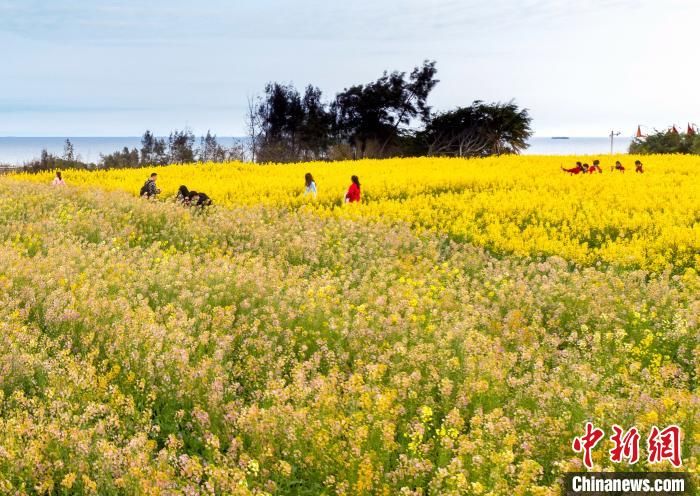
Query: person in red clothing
point(353, 194)
point(595, 167)
point(638, 167)
point(576, 170)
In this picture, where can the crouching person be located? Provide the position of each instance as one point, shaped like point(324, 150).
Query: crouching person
point(199, 199)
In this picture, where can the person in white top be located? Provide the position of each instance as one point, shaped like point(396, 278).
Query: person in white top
point(58, 180)
point(310, 185)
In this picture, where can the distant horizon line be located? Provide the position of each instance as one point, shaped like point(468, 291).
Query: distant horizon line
point(232, 136)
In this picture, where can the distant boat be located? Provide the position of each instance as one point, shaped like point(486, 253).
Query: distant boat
point(560, 137)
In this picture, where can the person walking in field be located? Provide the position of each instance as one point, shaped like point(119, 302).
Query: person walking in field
point(595, 167)
point(353, 195)
point(149, 189)
point(619, 166)
point(638, 167)
point(58, 180)
point(310, 185)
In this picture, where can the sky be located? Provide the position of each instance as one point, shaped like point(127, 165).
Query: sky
point(116, 68)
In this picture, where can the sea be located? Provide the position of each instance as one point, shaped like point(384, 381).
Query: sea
point(19, 150)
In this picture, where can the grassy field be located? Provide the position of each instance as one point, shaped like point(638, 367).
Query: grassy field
point(450, 336)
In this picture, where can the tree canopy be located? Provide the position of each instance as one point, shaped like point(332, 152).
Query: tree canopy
point(478, 130)
point(666, 142)
point(390, 116)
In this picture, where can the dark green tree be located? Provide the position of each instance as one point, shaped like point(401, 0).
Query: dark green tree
point(210, 150)
point(291, 127)
point(120, 159)
point(180, 147)
point(68, 151)
point(160, 152)
point(147, 148)
point(481, 129)
point(382, 111)
point(315, 130)
point(49, 161)
point(666, 142)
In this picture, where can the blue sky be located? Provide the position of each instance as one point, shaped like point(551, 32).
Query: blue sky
point(97, 68)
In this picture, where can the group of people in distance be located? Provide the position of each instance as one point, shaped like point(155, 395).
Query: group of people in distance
point(149, 190)
point(592, 169)
point(353, 194)
point(188, 198)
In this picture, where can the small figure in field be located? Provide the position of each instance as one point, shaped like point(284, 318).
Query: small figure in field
point(58, 180)
point(595, 167)
point(353, 194)
point(619, 166)
point(576, 170)
point(639, 167)
point(149, 188)
point(584, 168)
point(310, 185)
point(199, 199)
point(183, 195)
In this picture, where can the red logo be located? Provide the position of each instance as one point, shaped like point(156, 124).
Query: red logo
point(665, 445)
point(626, 445)
point(587, 442)
point(662, 445)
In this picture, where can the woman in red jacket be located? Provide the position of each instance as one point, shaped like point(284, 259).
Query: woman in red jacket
point(353, 194)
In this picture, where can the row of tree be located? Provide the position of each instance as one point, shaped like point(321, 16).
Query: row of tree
point(386, 117)
point(667, 141)
point(178, 148)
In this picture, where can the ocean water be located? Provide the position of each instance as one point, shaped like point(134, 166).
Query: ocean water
point(577, 146)
point(17, 151)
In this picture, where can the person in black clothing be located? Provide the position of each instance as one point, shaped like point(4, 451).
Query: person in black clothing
point(183, 195)
point(199, 199)
point(149, 188)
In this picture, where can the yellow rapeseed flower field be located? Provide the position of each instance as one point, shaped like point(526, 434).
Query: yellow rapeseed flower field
point(450, 335)
point(521, 205)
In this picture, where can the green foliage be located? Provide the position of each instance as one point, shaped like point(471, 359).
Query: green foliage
point(381, 112)
point(121, 160)
point(479, 130)
point(153, 150)
point(372, 119)
point(293, 127)
point(666, 142)
point(378, 120)
point(49, 161)
point(180, 145)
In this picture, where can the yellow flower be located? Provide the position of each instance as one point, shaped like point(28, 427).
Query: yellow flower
point(426, 414)
point(68, 480)
point(651, 417)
